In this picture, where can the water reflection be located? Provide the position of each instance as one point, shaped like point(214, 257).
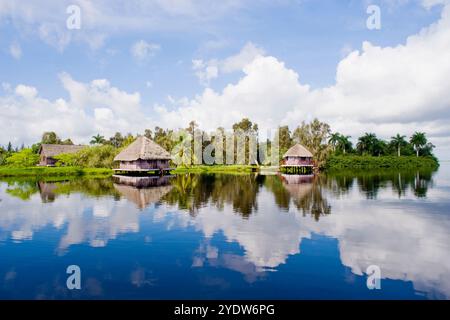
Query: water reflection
point(142, 191)
point(406, 231)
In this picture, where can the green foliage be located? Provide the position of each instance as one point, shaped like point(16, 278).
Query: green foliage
point(90, 157)
point(98, 139)
point(314, 136)
point(24, 158)
point(53, 172)
point(371, 162)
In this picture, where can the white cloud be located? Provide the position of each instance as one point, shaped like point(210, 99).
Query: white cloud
point(206, 71)
point(15, 50)
point(92, 107)
point(381, 89)
point(143, 50)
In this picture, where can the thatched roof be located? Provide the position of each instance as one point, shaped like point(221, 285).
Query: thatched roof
point(51, 150)
point(143, 148)
point(298, 151)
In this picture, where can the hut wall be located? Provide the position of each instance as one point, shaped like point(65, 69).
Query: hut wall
point(47, 161)
point(144, 164)
point(298, 161)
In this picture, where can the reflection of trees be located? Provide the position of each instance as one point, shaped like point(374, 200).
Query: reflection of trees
point(49, 190)
point(306, 192)
point(22, 189)
point(191, 192)
point(370, 182)
point(314, 202)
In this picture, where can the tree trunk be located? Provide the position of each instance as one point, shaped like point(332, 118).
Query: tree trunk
point(398, 151)
point(417, 152)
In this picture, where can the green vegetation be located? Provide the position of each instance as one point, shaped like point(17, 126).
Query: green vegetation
point(53, 171)
point(215, 169)
point(23, 158)
point(331, 150)
point(339, 162)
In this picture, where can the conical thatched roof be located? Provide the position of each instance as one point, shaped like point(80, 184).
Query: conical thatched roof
point(143, 148)
point(298, 151)
point(51, 150)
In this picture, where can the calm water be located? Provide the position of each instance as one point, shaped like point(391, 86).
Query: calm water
point(227, 236)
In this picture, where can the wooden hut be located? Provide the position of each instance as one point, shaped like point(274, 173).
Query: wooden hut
point(298, 159)
point(143, 155)
point(47, 152)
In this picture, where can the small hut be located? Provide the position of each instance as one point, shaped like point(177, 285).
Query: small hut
point(143, 155)
point(298, 159)
point(48, 152)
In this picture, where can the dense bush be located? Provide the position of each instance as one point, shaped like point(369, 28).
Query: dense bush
point(23, 158)
point(90, 157)
point(369, 162)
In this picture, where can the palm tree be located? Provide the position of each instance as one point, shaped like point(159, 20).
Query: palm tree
point(98, 139)
point(398, 141)
point(334, 139)
point(367, 142)
point(344, 143)
point(418, 140)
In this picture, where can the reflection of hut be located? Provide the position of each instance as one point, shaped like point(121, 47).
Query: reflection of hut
point(298, 186)
point(142, 190)
point(47, 152)
point(47, 191)
point(297, 159)
point(143, 155)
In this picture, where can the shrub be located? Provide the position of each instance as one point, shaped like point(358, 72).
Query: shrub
point(23, 158)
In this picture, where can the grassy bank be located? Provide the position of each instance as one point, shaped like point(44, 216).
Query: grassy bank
point(215, 169)
point(53, 172)
point(370, 162)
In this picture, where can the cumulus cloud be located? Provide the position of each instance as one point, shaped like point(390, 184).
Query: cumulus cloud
point(143, 50)
point(92, 107)
point(381, 89)
point(208, 70)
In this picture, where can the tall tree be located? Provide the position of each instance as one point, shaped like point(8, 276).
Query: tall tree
point(116, 140)
point(398, 142)
point(50, 137)
point(418, 140)
point(334, 139)
point(148, 133)
point(98, 139)
point(366, 143)
point(344, 143)
point(284, 138)
point(314, 136)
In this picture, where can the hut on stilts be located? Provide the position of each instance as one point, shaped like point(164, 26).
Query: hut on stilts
point(143, 156)
point(297, 160)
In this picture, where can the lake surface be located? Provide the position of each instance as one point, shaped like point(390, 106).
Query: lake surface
point(228, 236)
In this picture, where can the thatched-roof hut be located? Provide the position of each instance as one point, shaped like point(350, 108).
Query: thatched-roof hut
point(47, 152)
point(298, 155)
point(143, 155)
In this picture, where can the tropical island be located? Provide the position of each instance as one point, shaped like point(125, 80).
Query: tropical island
point(52, 156)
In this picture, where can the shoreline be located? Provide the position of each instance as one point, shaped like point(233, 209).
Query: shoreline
point(333, 164)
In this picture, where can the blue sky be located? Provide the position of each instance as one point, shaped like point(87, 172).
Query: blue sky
point(309, 38)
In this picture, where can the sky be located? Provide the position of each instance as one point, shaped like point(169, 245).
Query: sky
point(137, 64)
